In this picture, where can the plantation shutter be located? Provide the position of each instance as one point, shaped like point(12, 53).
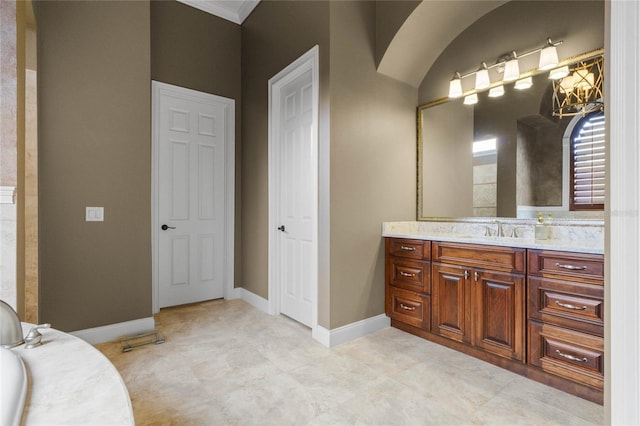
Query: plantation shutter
point(588, 163)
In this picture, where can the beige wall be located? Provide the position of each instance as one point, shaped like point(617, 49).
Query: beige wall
point(373, 162)
point(447, 170)
point(390, 15)
point(372, 148)
point(94, 150)
point(9, 90)
point(273, 36)
point(194, 49)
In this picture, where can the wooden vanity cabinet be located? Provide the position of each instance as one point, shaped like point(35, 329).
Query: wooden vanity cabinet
point(566, 315)
point(537, 313)
point(408, 277)
point(478, 297)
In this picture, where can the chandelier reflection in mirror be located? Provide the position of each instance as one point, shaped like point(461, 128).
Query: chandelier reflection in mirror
point(580, 92)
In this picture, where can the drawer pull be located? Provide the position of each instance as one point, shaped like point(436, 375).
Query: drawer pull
point(407, 308)
point(571, 267)
point(571, 357)
point(406, 274)
point(568, 306)
point(407, 248)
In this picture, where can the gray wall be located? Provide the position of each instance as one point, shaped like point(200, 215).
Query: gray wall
point(194, 49)
point(373, 162)
point(94, 150)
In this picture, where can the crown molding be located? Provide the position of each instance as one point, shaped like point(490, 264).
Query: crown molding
point(234, 11)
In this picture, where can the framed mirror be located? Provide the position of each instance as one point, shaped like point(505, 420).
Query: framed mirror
point(514, 155)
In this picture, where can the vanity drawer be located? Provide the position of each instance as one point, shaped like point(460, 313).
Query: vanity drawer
point(490, 257)
point(569, 266)
point(410, 274)
point(567, 304)
point(408, 307)
point(413, 249)
point(575, 356)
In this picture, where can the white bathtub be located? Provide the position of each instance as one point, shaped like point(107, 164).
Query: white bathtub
point(13, 387)
point(71, 383)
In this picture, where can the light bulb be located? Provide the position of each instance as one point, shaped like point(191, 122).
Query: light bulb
point(482, 77)
point(511, 69)
point(548, 58)
point(471, 99)
point(558, 73)
point(524, 83)
point(455, 86)
point(567, 83)
point(496, 92)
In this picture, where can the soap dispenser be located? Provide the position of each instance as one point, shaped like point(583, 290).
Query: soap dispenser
point(541, 232)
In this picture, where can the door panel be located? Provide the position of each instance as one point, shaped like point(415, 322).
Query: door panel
point(499, 308)
point(296, 203)
point(451, 295)
point(191, 198)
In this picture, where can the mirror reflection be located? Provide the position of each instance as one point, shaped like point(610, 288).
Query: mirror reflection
point(517, 154)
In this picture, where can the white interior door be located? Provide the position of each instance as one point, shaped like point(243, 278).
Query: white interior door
point(293, 192)
point(190, 134)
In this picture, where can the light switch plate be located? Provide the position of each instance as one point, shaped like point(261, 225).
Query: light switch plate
point(94, 214)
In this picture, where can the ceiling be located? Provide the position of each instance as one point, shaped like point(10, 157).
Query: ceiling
point(231, 10)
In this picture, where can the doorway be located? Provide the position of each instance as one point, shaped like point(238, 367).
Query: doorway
point(193, 161)
point(293, 190)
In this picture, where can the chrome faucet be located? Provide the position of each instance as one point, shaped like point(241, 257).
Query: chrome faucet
point(10, 327)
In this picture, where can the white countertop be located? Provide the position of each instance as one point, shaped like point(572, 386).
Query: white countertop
point(72, 383)
point(585, 239)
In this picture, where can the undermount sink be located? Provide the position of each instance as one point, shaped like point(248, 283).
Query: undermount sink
point(13, 387)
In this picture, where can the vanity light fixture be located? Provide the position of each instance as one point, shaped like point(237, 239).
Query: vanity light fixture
point(482, 77)
point(455, 86)
point(507, 64)
point(511, 68)
point(523, 83)
point(471, 99)
point(496, 92)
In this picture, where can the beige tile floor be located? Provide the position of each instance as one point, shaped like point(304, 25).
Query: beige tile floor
point(226, 363)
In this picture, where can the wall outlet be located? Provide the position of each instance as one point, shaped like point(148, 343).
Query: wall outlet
point(94, 214)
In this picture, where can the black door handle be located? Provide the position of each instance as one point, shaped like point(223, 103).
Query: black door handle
point(281, 228)
point(165, 227)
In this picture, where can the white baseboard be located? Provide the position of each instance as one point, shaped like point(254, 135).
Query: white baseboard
point(337, 336)
point(253, 299)
point(109, 333)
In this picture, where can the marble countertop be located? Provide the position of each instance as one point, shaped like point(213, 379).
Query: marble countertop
point(574, 238)
point(72, 383)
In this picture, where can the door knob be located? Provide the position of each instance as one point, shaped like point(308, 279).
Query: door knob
point(165, 227)
point(281, 228)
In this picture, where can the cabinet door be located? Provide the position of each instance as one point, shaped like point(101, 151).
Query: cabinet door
point(499, 315)
point(450, 294)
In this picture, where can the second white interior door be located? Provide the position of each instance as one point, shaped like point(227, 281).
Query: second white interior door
point(296, 198)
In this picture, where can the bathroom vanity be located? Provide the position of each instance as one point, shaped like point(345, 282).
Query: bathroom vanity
point(535, 307)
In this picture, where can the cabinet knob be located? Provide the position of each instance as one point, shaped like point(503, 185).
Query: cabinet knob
point(466, 274)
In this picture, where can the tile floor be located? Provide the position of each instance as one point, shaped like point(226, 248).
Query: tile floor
point(226, 363)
